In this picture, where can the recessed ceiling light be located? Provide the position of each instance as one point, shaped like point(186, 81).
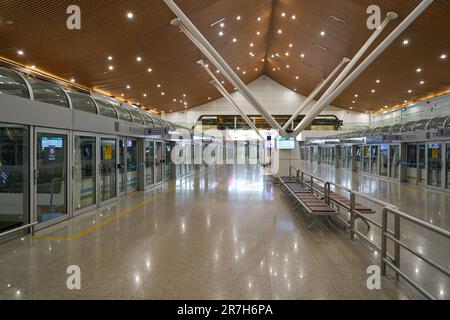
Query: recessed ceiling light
point(20, 52)
point(405, 101)
point(356, 95)
point(258, 33)
point(163, 93)
point(288, 66)
point(443, 56)
point(280, 31)
point(283, 14)
point(322, 33)
point(138, 59)
point(422, 82)
point(291, 45)
point(252, 44)
point(111, 68)
point(221, 33)
point(256, 69)
point(418, 70)
point(259, 19)
point(145, 95)
point(294, 17)
point(174, 100)
point(110, 58)
point(351, 108)
point(184, 95)
point(222, 25)
point(234, 40)
point(297, 77)
point(287, 54)
point(386, 107)
point(130, 15)
point(405, 42)
point(244, 72)
point(149, 70)
point(238, 18)
point(353, 101)
point(302, 55)
point(33, 67)
point(373, 90)
point(410, 91)
point(159, 86)
point(377, 81)
point(72, 80)
point(128, 87)
point(238, 68)
point(209, 98)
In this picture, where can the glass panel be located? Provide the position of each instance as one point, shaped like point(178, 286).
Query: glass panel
point(48, 92)
point(106, 109)
point(366, 159)
point(411, 163)
point(358, 157)
point(108, 168)
point(422, 173)
point(122, 165)
point(82, 102)
point(51, 186)
point(84, 181)
point(168, 161)
point(421, 125)
point(349, 158)
point(434, 164)
point(148, 120)
point(123, 114)
point(384, 161)
point(374, 160)
point(132, 165)
point(447, 175)
point(149, 162)
point(394, 162)
point(136, 117)
point(14, 176)
point(158, 162)
point(437, 123)
point(11, 83)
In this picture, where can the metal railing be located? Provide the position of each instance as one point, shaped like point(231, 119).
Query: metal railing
point(28, 226)
point(387, 260)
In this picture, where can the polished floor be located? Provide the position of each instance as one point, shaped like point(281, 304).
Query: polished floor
point(426, 204)
point(224, 233)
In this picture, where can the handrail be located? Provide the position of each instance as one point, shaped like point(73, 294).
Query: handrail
point(395, 236)
point(31, 226)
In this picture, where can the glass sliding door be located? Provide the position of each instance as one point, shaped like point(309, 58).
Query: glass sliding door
point(132, 165)
point(149, 163)
point(374, 159)
point(422, 164)
point(411, 163)
point(349, 158)
point(359, 152)
point(447, 161)
point(108, 172)
point(159, 162)
point(394, 157)
point(366, 157)
point(122, 166)
point(51, 177)
point(434, 164)
point(84, 172)
point(384, 160)
point(14, 176)
point(168, 162)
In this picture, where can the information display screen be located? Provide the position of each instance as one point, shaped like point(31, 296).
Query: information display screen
point(55, 142)
point(286, 143)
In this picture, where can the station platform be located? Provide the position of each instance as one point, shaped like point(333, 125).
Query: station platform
point(222, 233)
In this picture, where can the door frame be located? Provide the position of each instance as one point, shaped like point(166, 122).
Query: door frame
point(33, 175)
point(443, 168)
point(97, 171)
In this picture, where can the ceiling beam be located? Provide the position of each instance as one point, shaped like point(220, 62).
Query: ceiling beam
point(206, 48)
point(364, 65)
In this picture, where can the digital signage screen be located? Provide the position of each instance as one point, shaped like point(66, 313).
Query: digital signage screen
point(286, 143)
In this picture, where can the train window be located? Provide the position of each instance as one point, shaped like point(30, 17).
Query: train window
point(48, 92)
point(82, 102)
point(106, 109)
point(11, 83)
point(123, 114)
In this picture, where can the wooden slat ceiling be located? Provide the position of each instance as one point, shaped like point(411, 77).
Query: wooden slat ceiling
point(38, 27)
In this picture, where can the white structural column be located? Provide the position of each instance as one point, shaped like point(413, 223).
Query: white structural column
point(208, 50)
point(216, 83)
point(313, 94)
point(349, 67)
point(321, 105)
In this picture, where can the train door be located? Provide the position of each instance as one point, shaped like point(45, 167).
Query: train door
point(422, 164)
point(168, 161)
point(434, 163)
point(394, 161)
point(108, 169)
point(51, 178)
point(84, 172)
point(159, 163)
point(149, 146)
point(412, 158)
point(374, 159)
point(132, 165)
point(447, 166)
point(384, 160)
point(122, 166)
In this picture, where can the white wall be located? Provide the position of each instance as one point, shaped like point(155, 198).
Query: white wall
point(275, 98)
